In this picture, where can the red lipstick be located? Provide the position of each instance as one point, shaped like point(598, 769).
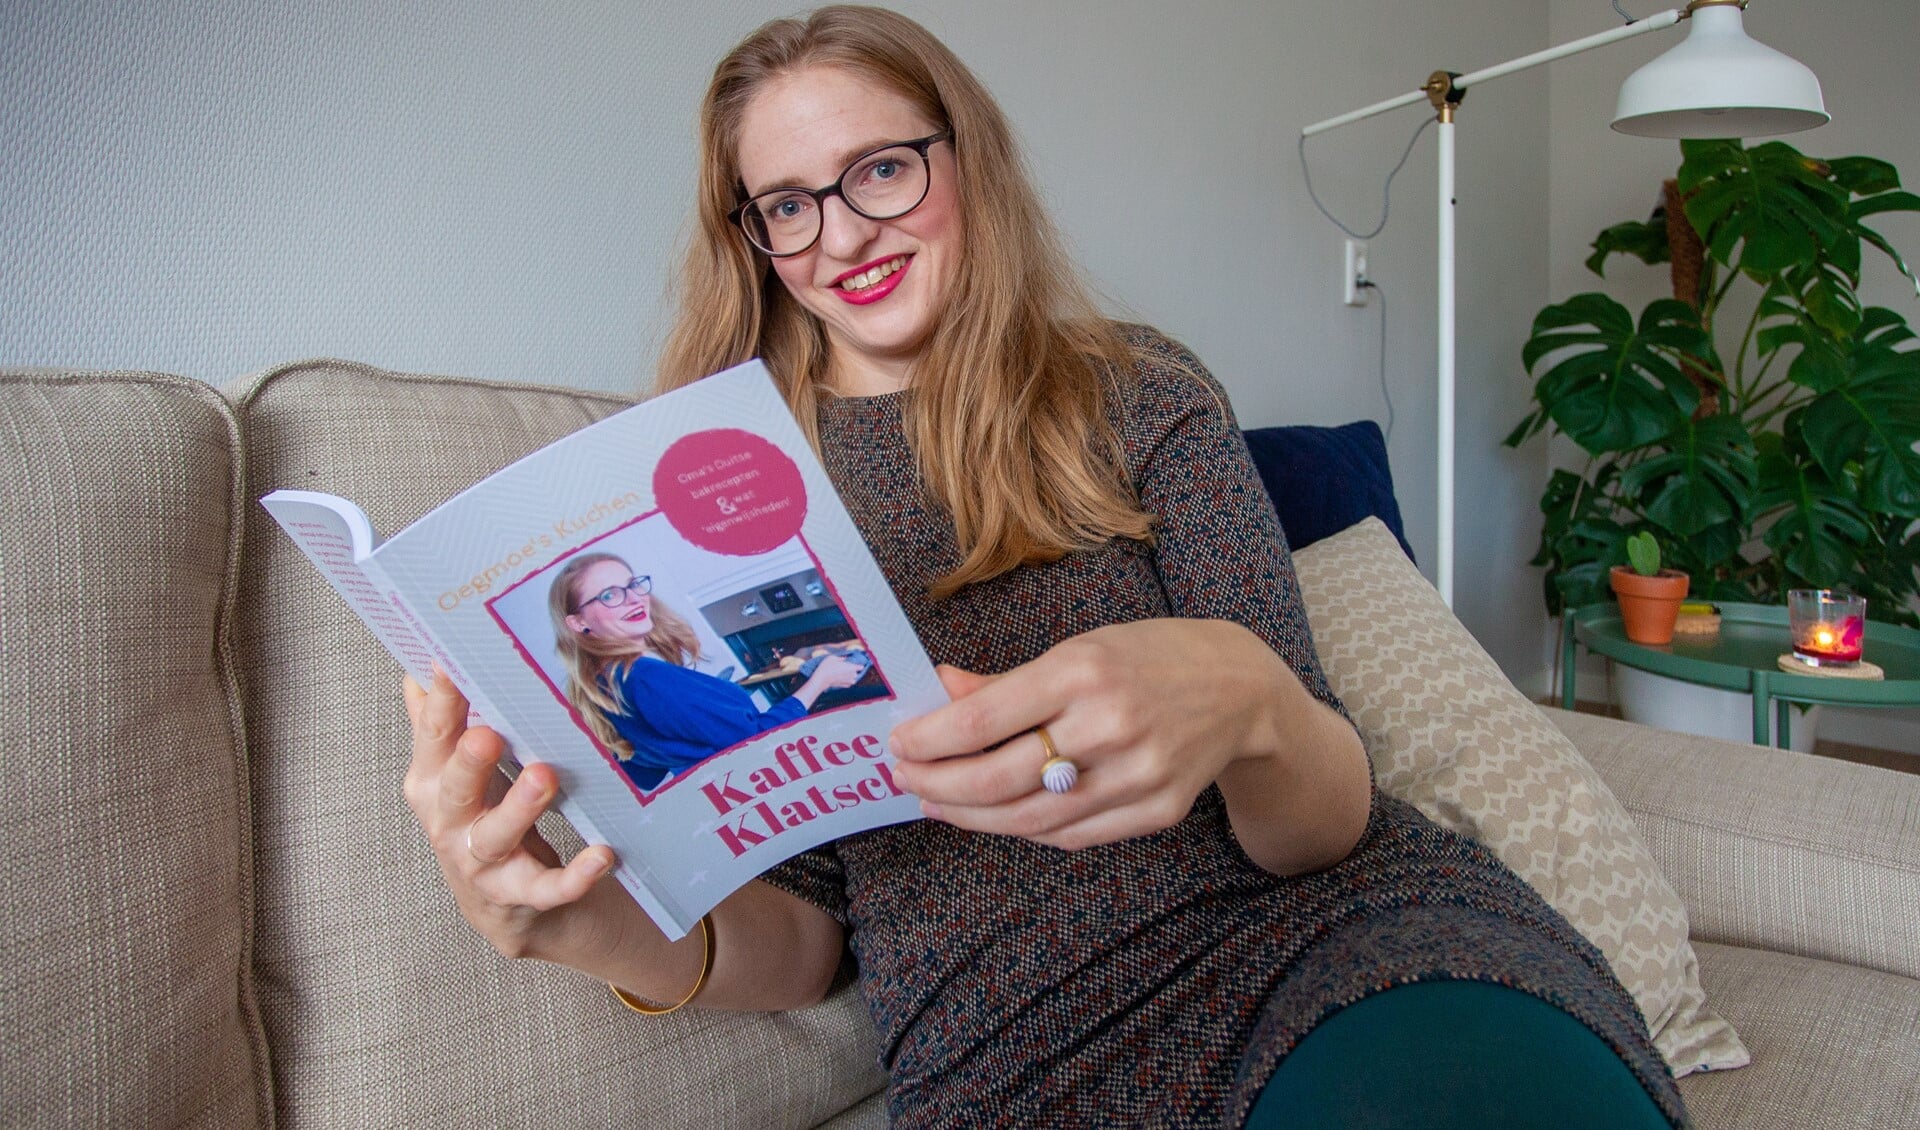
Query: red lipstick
point(878, 290)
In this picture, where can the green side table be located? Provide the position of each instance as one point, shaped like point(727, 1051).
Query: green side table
point(1742, 656)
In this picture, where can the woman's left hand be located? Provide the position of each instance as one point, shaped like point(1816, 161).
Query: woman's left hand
point(1150, 712)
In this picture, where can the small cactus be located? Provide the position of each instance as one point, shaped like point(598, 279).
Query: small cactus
point(1643, 553)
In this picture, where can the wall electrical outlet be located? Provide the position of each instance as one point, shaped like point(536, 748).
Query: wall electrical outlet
point(1351, 292)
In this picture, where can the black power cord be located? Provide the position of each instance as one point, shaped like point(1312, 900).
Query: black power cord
point(1386, 392)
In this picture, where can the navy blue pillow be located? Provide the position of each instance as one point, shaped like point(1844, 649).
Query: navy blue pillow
point(1323, 480)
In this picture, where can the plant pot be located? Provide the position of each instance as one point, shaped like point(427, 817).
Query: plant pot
point(1673, 704)
point(1649, 606)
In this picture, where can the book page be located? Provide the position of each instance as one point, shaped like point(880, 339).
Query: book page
point(335, 535)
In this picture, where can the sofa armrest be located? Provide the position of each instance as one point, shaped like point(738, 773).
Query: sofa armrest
point(1770, 848)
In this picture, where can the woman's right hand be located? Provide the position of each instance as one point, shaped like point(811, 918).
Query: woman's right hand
point(507, 880)
point(510, 884)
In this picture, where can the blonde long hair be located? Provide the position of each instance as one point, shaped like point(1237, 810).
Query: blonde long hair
point(596, 664)
point(1008, 421)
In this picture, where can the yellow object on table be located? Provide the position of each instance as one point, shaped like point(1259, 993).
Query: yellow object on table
point(1697, 618)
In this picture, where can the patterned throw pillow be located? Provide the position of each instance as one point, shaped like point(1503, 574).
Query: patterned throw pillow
point(1449, 734)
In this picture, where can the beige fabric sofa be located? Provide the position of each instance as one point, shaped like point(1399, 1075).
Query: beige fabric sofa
point(218, 911)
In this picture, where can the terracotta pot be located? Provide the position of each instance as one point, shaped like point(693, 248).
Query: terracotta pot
point(1649, 606)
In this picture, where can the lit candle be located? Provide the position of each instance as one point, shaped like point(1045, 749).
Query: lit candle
point(1841, 641)
point(1828, 627)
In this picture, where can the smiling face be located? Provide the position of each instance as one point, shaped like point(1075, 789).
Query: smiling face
point(875, 285)
point(629, 621)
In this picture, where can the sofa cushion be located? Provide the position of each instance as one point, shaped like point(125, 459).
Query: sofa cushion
point(1448, 733)
point(1769, 847)
point(868, 1115)
point(1834, 1046)
point(127, 875)
point(385, 1008)
point(1325, 479)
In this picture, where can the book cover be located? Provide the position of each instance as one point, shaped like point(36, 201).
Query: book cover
point(702, 526)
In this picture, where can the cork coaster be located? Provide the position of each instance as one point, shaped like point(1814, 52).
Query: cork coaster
point(1860, 670)
point(1697, 624)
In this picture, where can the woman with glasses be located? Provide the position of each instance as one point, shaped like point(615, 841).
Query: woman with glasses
point(630, 676)
point(1155, 885)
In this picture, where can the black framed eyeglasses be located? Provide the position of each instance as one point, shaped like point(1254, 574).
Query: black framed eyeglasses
point(615, 596)
point(882, 184)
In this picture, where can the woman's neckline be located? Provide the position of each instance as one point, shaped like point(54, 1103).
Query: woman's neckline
point(833, 400)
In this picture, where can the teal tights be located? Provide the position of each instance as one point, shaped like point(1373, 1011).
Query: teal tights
point(1443, 1055)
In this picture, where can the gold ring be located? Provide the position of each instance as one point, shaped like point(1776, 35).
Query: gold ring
point(477, 858)
point(1058, 775)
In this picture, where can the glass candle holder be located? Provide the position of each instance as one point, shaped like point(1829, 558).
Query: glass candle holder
point(1829, 627)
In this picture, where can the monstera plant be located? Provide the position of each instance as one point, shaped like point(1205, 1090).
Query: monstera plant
point(1761, 422)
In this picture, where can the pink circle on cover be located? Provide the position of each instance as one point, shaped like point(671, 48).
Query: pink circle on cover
point(730, 491)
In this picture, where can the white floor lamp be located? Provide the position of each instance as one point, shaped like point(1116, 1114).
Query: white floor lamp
point(1716, 83)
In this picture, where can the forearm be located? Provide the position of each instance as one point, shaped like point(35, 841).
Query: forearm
point(771, 952)
point(809, 692)
point(1298, 793)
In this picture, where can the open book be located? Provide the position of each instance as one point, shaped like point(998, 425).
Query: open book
point(673, 609)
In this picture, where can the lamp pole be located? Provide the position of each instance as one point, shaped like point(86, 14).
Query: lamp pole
point(1441, 91)
point(1444, 91)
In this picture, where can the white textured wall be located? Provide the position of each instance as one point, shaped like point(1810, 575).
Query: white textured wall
point(1865, 53)
point(495, 189)
point(213, 187)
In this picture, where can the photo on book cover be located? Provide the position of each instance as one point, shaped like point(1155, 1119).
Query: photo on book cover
point(667, 654)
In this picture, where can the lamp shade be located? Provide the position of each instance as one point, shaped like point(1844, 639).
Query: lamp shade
point(1719, 83)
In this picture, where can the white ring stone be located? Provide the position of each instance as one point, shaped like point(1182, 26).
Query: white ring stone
point(1059, 775)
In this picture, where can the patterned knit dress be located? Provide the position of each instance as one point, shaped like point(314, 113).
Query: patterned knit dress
point(1157, 981)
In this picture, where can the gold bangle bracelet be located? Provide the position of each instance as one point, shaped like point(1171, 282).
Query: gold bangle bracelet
point(706, 967)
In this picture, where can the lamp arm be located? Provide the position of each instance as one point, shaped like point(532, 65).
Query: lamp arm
point(1365, 112)
point(1665, 19)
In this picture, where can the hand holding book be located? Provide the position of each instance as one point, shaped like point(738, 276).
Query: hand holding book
point(516, 892)
point(508, 881)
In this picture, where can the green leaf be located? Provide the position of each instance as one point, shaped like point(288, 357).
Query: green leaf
point(1863, 176)
point(1703, 159)
point(1608, 319)
point(1570, 500)
point(1585, 554)
point(1643, 553)
point(1885, 329)
point(1813, 308)
point(1874, 205)
point(1826, 292)
point(1886, 248)
point(1609, 384)
point(1819, 531)
point(1722, 589)
point(1646, 242)
point(1873, 417)
point(1527, 429)
point(1889, 571)
point(1577, 585)
point(1706, 476)
point(1710, 552)
point(1580, 539)
point(1833, 305)
point(1761, 209)
point(1884, 202)
point(1819, 365)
